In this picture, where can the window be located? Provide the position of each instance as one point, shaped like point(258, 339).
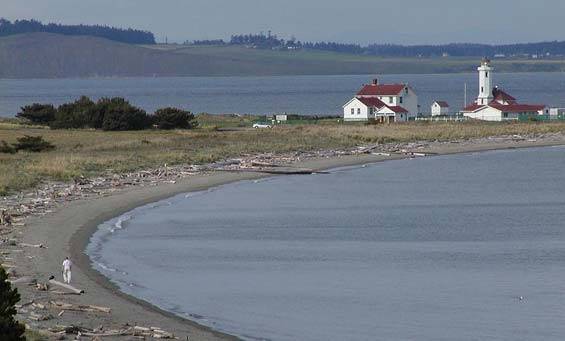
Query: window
point(486, 74)
point(406, 90)
point(352, 111)
point(390, 99)
point(482, 89)
point(400, 99)
point(358, 111)
point(505, 115)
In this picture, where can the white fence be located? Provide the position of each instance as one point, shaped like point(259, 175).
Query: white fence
point(443, 118)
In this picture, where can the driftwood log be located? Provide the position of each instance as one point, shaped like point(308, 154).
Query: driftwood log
point(66, 286)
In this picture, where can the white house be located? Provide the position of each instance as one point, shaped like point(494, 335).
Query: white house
point(493, 104)
point(440, 108)
point(382, 102)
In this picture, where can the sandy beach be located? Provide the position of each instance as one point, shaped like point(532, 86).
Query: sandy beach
point(66, 231)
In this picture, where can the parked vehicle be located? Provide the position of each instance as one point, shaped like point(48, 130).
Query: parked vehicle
point(262, 125)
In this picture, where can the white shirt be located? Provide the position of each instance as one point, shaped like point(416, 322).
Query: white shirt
point(67, 264)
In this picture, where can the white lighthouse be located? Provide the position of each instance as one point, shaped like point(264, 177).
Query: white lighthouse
point(485, 82)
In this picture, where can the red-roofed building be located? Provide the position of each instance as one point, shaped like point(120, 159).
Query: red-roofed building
point(496, 104)
point(382, 102)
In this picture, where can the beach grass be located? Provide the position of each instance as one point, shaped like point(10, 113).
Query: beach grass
point(90, 153)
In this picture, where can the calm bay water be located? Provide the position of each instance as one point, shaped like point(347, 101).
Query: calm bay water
point(313, 95)
point(436, 248)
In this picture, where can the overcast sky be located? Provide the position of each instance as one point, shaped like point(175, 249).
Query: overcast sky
point(360, 21)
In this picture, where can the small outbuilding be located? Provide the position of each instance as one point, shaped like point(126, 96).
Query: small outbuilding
point(440, 108)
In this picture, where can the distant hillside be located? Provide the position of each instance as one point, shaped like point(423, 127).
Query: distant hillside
point(130, 36)
point(46, 55)
point(269, 41)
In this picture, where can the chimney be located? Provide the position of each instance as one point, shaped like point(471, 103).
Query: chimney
point(375, 81)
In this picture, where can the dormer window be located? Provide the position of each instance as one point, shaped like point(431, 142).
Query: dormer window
point(390, 99)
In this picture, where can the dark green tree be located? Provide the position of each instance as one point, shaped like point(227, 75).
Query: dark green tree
point(82, 113)
point(119, 114)
point(174, 118)
point(10, 329)
point(38, 113)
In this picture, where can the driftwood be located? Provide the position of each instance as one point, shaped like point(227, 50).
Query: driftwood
point(40, 246)
point(84, 308)
point(263, 164)
point(66, 286)
point(138, 331)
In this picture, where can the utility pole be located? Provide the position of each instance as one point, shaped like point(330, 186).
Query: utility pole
point(465, 96)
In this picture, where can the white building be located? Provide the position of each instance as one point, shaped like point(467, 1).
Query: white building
point(440, 108)
point(493, 104)
point(556, 113)
point(383, 103)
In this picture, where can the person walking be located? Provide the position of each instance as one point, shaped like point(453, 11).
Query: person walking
point(67, 265)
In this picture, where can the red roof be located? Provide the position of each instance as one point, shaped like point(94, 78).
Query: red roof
point(500, 95)
point(442, 104)
point(517, 107)
point(371, 102)
point(397, 109)
point(381, 90)
point(513, 107)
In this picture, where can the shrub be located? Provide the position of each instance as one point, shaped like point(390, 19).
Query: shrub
point(6, 148)
point(82, 113)
point(38, 113)
point(119, 114)
point(173, 118)
point(10, 329)
point(33, 144)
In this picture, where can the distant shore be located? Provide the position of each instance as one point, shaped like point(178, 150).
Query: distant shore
point(67, 231)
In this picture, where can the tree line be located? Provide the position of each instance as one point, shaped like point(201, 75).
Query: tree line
point(129, 36)
point(111, 114)
point(270, 41)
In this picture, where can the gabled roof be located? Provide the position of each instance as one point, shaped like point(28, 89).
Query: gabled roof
point(381, 89)
point(371, 102)
point(442, 104)
point(397, 109)
point(500, 95)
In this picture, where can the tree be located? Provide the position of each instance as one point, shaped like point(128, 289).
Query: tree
point(10, 329)
point(129, 35)
point(119, 114)
point(82, 113)
point(38, 113)
point(174, 118)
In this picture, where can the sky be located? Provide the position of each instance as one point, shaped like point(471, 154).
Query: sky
point(358, 21)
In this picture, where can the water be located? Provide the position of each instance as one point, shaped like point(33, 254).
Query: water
point(435, 248)
point(312, 95)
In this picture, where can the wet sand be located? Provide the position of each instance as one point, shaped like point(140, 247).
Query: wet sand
point(67, 231)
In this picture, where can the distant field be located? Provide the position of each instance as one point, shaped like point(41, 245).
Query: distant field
point(88, 152)
point(43, 55)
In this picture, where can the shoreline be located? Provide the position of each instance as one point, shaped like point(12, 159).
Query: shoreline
point(68, 230)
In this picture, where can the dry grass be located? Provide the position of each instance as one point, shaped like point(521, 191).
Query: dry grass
point(87, 152)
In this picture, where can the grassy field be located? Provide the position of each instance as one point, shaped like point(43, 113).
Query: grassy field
point(88, 152)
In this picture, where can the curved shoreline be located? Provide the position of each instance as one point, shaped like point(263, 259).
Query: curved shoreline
point(68, 231)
